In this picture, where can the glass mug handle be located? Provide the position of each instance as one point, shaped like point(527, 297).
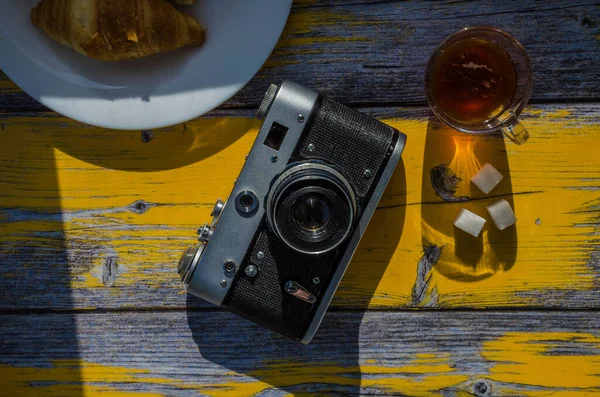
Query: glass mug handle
point(513, 129)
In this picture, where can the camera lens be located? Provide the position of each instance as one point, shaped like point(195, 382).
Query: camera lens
point(312, 212)
point(311, 208)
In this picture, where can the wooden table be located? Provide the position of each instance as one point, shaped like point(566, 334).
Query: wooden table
point(93, 221)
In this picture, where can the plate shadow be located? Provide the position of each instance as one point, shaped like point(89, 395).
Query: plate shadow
point(34, 270)
point(267, 357)
point(157, 150)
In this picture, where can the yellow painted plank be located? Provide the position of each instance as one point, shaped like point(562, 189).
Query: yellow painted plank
point(522, 357)
point(92, 177)
point(216, 354)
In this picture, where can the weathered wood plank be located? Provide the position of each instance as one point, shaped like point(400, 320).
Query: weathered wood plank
point(377, 53)
point(92, 218)
point(219, 354)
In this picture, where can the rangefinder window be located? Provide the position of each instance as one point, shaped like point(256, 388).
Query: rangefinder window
point(276, 136)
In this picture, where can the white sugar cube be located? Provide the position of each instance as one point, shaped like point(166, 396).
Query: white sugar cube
point(469, 222)
point(487, 178)
point(502, 215)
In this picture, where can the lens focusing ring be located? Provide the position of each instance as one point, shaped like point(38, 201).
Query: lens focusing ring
point(293, 186)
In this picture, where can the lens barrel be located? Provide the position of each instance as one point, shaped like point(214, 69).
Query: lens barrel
point(311, 207)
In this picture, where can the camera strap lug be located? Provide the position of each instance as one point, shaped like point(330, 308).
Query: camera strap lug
point(298, 291)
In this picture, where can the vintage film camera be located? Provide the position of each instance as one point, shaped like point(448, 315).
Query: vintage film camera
point(276, 252)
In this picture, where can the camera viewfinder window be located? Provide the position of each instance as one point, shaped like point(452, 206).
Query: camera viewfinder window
point(276, 136)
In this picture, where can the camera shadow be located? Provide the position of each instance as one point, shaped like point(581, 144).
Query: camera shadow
point(451, 158)
point(330, 364)
point(34, 272)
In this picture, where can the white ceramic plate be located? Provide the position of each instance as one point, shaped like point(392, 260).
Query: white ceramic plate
point(157, 91)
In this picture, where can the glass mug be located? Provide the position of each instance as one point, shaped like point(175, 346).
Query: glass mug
point(478, 80)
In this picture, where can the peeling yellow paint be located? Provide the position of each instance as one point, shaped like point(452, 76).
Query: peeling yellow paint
point(553, 393)
point(92, 175)
point(531, 111)
point(303, 31)
point(307, 21)
point(86, 379)
point(557, 114)
point(300, 41)
point(370, 23)
point(527, 358)
point(554, 115)
point(514, 359)
point(72, 378)
point(275, 63)
point(7, 86)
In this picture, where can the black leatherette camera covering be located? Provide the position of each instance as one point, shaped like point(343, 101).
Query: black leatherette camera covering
point(351, 141)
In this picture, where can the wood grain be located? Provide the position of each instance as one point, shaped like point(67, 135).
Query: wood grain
point(94, 218)
point(218, 354)
point(93, 221)
point(361, 53)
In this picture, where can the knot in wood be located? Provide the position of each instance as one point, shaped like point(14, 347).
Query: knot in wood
point(481, 388)
point(140, 206)
point(109, 271)
point(444, 182)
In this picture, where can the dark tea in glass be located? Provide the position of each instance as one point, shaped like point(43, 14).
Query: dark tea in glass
point(479, 80)
point(473, 80)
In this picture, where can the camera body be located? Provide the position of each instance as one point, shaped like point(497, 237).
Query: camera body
point(276, 252)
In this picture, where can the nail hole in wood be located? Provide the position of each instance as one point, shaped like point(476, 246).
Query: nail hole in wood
point(481, 388)
point(147, 136)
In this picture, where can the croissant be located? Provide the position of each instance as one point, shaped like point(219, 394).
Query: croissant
point(114, 30)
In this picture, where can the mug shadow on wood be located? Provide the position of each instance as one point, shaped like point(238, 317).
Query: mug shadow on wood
point(451, 158)
point(330, 363)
